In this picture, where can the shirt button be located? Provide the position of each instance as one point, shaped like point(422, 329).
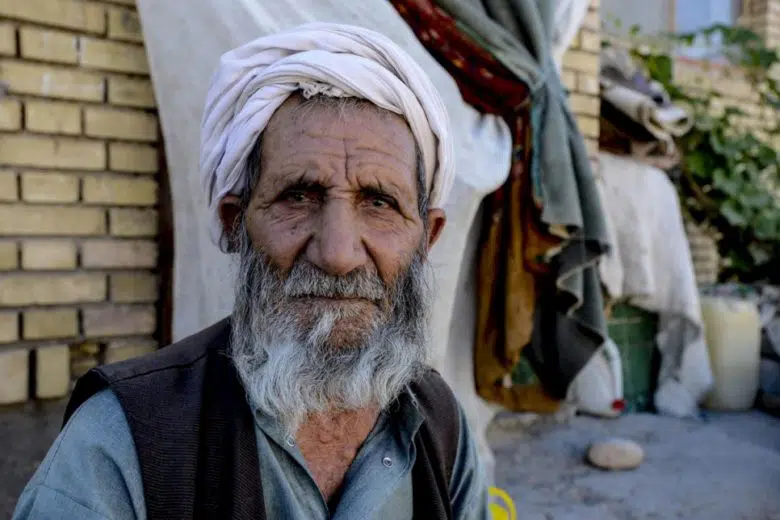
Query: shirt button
point(290, 441)
point(387, 462)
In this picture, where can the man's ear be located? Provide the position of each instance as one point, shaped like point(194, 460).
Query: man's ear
point(230, 214)
point(436, 221)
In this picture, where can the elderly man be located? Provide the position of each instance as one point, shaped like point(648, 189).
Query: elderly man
point(326, 160)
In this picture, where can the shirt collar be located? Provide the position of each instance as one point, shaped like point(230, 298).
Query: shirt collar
point(404, 412)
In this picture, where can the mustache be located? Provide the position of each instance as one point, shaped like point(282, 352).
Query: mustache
point(307, 280)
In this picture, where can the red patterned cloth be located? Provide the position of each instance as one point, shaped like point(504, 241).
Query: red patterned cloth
point(512, 243)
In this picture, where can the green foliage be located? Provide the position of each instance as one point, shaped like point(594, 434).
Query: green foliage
point(730, 178)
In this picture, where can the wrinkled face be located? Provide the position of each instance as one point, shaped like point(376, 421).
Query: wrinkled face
point(338, 195)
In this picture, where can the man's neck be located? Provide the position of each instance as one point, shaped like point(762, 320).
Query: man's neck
point(329, 442)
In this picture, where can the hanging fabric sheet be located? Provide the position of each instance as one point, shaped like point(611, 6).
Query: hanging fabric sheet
point(546, 220)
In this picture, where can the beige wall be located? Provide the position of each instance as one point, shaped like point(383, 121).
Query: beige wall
point(78, 192)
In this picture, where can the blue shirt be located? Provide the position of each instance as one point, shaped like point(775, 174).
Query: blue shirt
point(92, 472)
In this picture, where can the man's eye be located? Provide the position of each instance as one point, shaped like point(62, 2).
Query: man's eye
point(298, 196)
point(381, 202)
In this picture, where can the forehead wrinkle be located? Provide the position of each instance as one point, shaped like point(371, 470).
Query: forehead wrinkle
point(371, 168)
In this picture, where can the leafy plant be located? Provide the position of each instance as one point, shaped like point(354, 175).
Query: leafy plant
point(730, 176)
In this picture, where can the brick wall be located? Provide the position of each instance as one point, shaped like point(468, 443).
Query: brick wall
point(763, 17)
point(734, 91)
point(580, 76)
point(78, 192)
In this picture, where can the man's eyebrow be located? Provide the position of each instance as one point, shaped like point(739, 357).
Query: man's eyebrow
point(290, 181)
point(383, 188)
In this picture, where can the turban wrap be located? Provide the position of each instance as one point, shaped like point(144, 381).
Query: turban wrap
point(252, 82)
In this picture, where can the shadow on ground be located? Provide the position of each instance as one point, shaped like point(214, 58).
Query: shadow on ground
point(26, 432)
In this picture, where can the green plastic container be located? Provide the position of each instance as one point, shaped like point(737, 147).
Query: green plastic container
point(633, 330)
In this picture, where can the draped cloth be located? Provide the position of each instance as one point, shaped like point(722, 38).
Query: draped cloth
point(252, 81)
point(507, 311)
point(543, 231)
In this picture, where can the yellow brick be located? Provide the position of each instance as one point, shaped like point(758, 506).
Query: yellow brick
point(79, 367)
point(136, 223)
point(128, 349)
point(128, 157)
point(588, 84)
point(120, 320)
point(72, 14)
point(124, 24)
point(120, 124)
point(569, 79)
point(52, 117)
point(9, 327)
point(132, 222)
point(49, 187)
point(8, 187)
point(9, 256)
point(51, 289)
point(131, 92)
point(108, 55)
point(10, 114)
point(7, 39)
point(119, 254)
point(133, 287)
point(52, 152)
point(734, 88)
point(48, 255)
point(48, 45)
point(50, 323)
point(581, 61)
point(14, 376)
point(590, 41)
point(51, 81)
point(584, 105)
point(16, 220)
point(592, 20)
point(589, 126)
point(52, 371)
point(122, 191)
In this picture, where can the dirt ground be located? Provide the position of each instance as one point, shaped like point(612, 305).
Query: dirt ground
point(725, 467)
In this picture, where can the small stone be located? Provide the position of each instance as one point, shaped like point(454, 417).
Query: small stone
point(616, 454)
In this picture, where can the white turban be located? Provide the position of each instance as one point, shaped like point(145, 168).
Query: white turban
point(252, 82)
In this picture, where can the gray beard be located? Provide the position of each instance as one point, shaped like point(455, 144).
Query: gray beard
point(286, 362)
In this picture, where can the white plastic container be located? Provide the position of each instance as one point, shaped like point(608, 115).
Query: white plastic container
point(732, 329)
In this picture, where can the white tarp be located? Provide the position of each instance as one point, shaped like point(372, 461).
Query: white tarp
point(650, 265)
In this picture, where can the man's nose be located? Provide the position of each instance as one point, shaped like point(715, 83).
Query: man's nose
point(337, 246)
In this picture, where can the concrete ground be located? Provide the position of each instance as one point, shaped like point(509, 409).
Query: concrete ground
point(726, 467)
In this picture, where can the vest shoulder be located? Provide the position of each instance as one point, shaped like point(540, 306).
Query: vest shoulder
point(435, 398)
point(180, 355)
point(433, 383)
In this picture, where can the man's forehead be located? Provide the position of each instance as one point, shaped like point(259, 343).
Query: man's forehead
point(364, 138)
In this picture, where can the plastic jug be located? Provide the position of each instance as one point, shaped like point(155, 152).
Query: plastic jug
point(732, 329)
